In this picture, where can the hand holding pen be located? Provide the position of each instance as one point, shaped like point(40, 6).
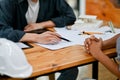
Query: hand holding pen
point(49, 31)
point(59, 36)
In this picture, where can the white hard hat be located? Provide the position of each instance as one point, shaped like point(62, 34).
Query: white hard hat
point(13, 62)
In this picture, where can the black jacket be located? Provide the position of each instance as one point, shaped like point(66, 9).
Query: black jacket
point(13, 21)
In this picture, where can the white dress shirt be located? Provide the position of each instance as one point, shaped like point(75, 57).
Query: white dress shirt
point(32, 12)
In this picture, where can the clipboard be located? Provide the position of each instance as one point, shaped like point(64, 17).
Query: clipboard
point(29, 46)
point(38, 31)
point(24, 45)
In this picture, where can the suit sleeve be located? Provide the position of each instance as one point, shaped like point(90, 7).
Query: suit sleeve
point(8, 33)
point(6, 22)
point(67, 16)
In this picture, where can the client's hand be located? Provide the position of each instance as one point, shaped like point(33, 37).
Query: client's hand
point(93, 45)
point(33, 26)
point(49, 38)
point(44, 38)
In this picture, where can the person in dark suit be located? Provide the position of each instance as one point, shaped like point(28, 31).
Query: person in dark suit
point(23, 15)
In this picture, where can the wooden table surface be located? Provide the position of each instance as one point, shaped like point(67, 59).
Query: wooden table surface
point(46, 61)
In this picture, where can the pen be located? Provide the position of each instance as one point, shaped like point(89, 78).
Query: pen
point(90, 33)
point(111, 26)
point(64, 39)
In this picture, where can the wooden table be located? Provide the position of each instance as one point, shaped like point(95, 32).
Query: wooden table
point(46, 61)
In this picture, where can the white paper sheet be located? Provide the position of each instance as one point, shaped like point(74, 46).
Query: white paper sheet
point(73, 36)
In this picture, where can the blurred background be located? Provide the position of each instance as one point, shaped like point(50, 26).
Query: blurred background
point(107, 10)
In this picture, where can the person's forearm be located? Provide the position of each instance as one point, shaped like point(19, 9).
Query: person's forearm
point(110, 43)
point(108, 63)
point(47, 24)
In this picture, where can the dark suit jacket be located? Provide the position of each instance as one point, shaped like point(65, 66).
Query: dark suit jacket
point(13, 21)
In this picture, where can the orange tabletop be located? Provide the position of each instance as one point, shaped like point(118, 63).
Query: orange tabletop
point(46, 61)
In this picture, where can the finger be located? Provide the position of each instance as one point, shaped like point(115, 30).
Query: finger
point(50, 42)
point(87, 50)
point(94, 38)
point(26, 27)
point(86, 46)
point(88, 41)
point(53, 41)
point(56, 38)
point(100, 39)
point(54, 33)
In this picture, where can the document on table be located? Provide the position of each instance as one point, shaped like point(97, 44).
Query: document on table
point(77, 39)
point(68, 34)
point(60, 45)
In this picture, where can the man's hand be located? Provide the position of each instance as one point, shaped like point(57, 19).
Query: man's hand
point(44, 38)
point(33, 26)
point(41, 25)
